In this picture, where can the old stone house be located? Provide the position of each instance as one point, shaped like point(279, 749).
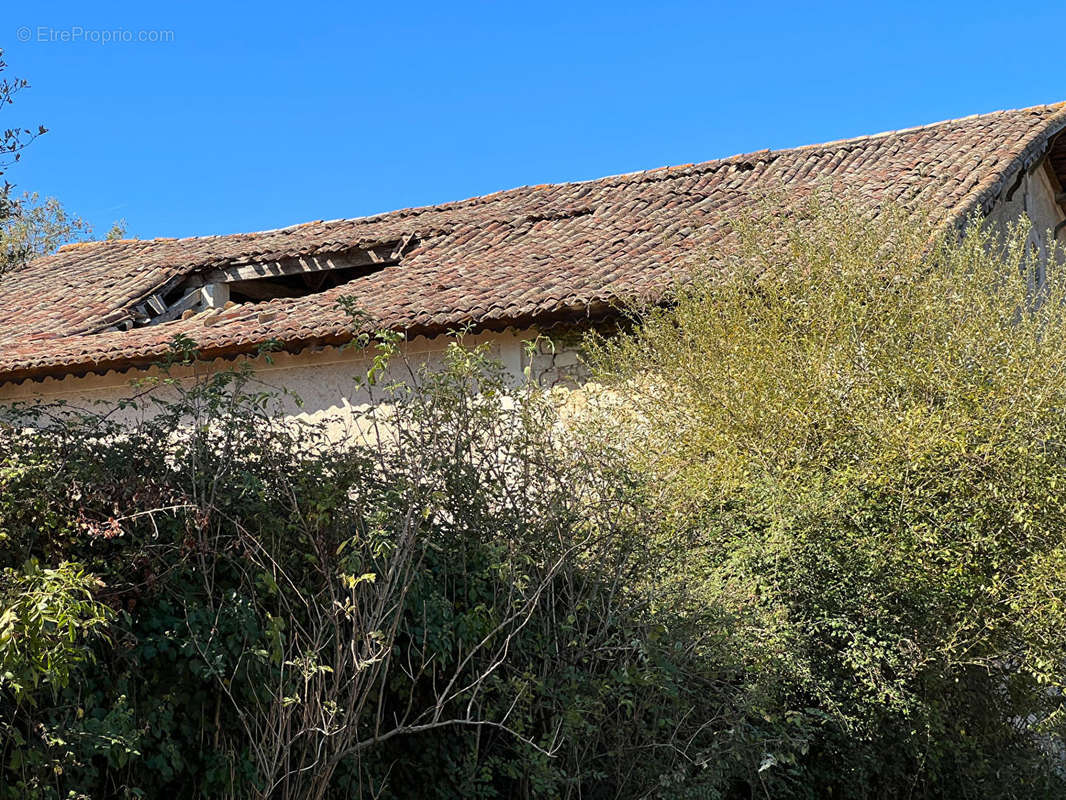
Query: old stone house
point(80, 324)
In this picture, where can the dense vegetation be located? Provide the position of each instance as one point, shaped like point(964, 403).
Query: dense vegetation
point(859, 434)
point(806, 542)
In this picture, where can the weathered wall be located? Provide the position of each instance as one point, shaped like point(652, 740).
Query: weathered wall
point(323, 379)
point(1034, 198)
point(557, 361)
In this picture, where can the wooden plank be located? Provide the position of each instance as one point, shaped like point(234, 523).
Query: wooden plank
point(215, 295)
point(157, 304)
point(298, 266)
point(189, 300)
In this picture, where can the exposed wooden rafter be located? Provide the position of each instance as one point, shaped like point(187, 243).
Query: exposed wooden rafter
point(264, 290)
point(187, 301)
point(256, 282)
point(377, 256)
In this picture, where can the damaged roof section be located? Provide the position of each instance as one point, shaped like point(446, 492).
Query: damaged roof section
point(521, 257)
point(205, 290)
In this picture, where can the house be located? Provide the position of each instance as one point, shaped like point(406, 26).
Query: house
point(80, 324)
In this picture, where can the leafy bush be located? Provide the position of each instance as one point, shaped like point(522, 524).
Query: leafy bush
point(233, 604)
point(857, 427)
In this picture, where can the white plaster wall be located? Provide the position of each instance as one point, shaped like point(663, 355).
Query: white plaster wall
point(324, 379)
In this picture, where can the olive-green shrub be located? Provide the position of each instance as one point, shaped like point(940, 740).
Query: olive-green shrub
point(855, 427)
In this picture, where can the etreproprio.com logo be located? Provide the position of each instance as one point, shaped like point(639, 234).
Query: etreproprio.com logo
point(76, 34)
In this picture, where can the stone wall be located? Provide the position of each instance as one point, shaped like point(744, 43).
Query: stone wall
point(1033, 198)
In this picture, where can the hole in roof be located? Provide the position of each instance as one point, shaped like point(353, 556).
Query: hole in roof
point(257, 290)
point(208, 291)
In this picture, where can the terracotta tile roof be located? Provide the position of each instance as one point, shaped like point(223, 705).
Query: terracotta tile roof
point(524, 255)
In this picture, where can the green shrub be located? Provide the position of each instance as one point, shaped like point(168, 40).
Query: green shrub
point(455, 606)
point(857, 429)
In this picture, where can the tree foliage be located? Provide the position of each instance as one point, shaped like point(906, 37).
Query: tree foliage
point(13, 140)
point(30, 226)
point(856, 426)
point(36, 227)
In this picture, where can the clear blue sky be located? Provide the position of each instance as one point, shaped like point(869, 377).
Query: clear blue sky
point(268, 114)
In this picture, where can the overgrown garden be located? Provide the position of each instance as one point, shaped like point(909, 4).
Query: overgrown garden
point(806, 539)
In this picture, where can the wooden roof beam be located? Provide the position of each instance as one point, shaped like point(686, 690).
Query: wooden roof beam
point(297, 266)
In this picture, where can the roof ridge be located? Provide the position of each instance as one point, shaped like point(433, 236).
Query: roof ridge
point(928, 125)
point(835, 143)
point(664, 172)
